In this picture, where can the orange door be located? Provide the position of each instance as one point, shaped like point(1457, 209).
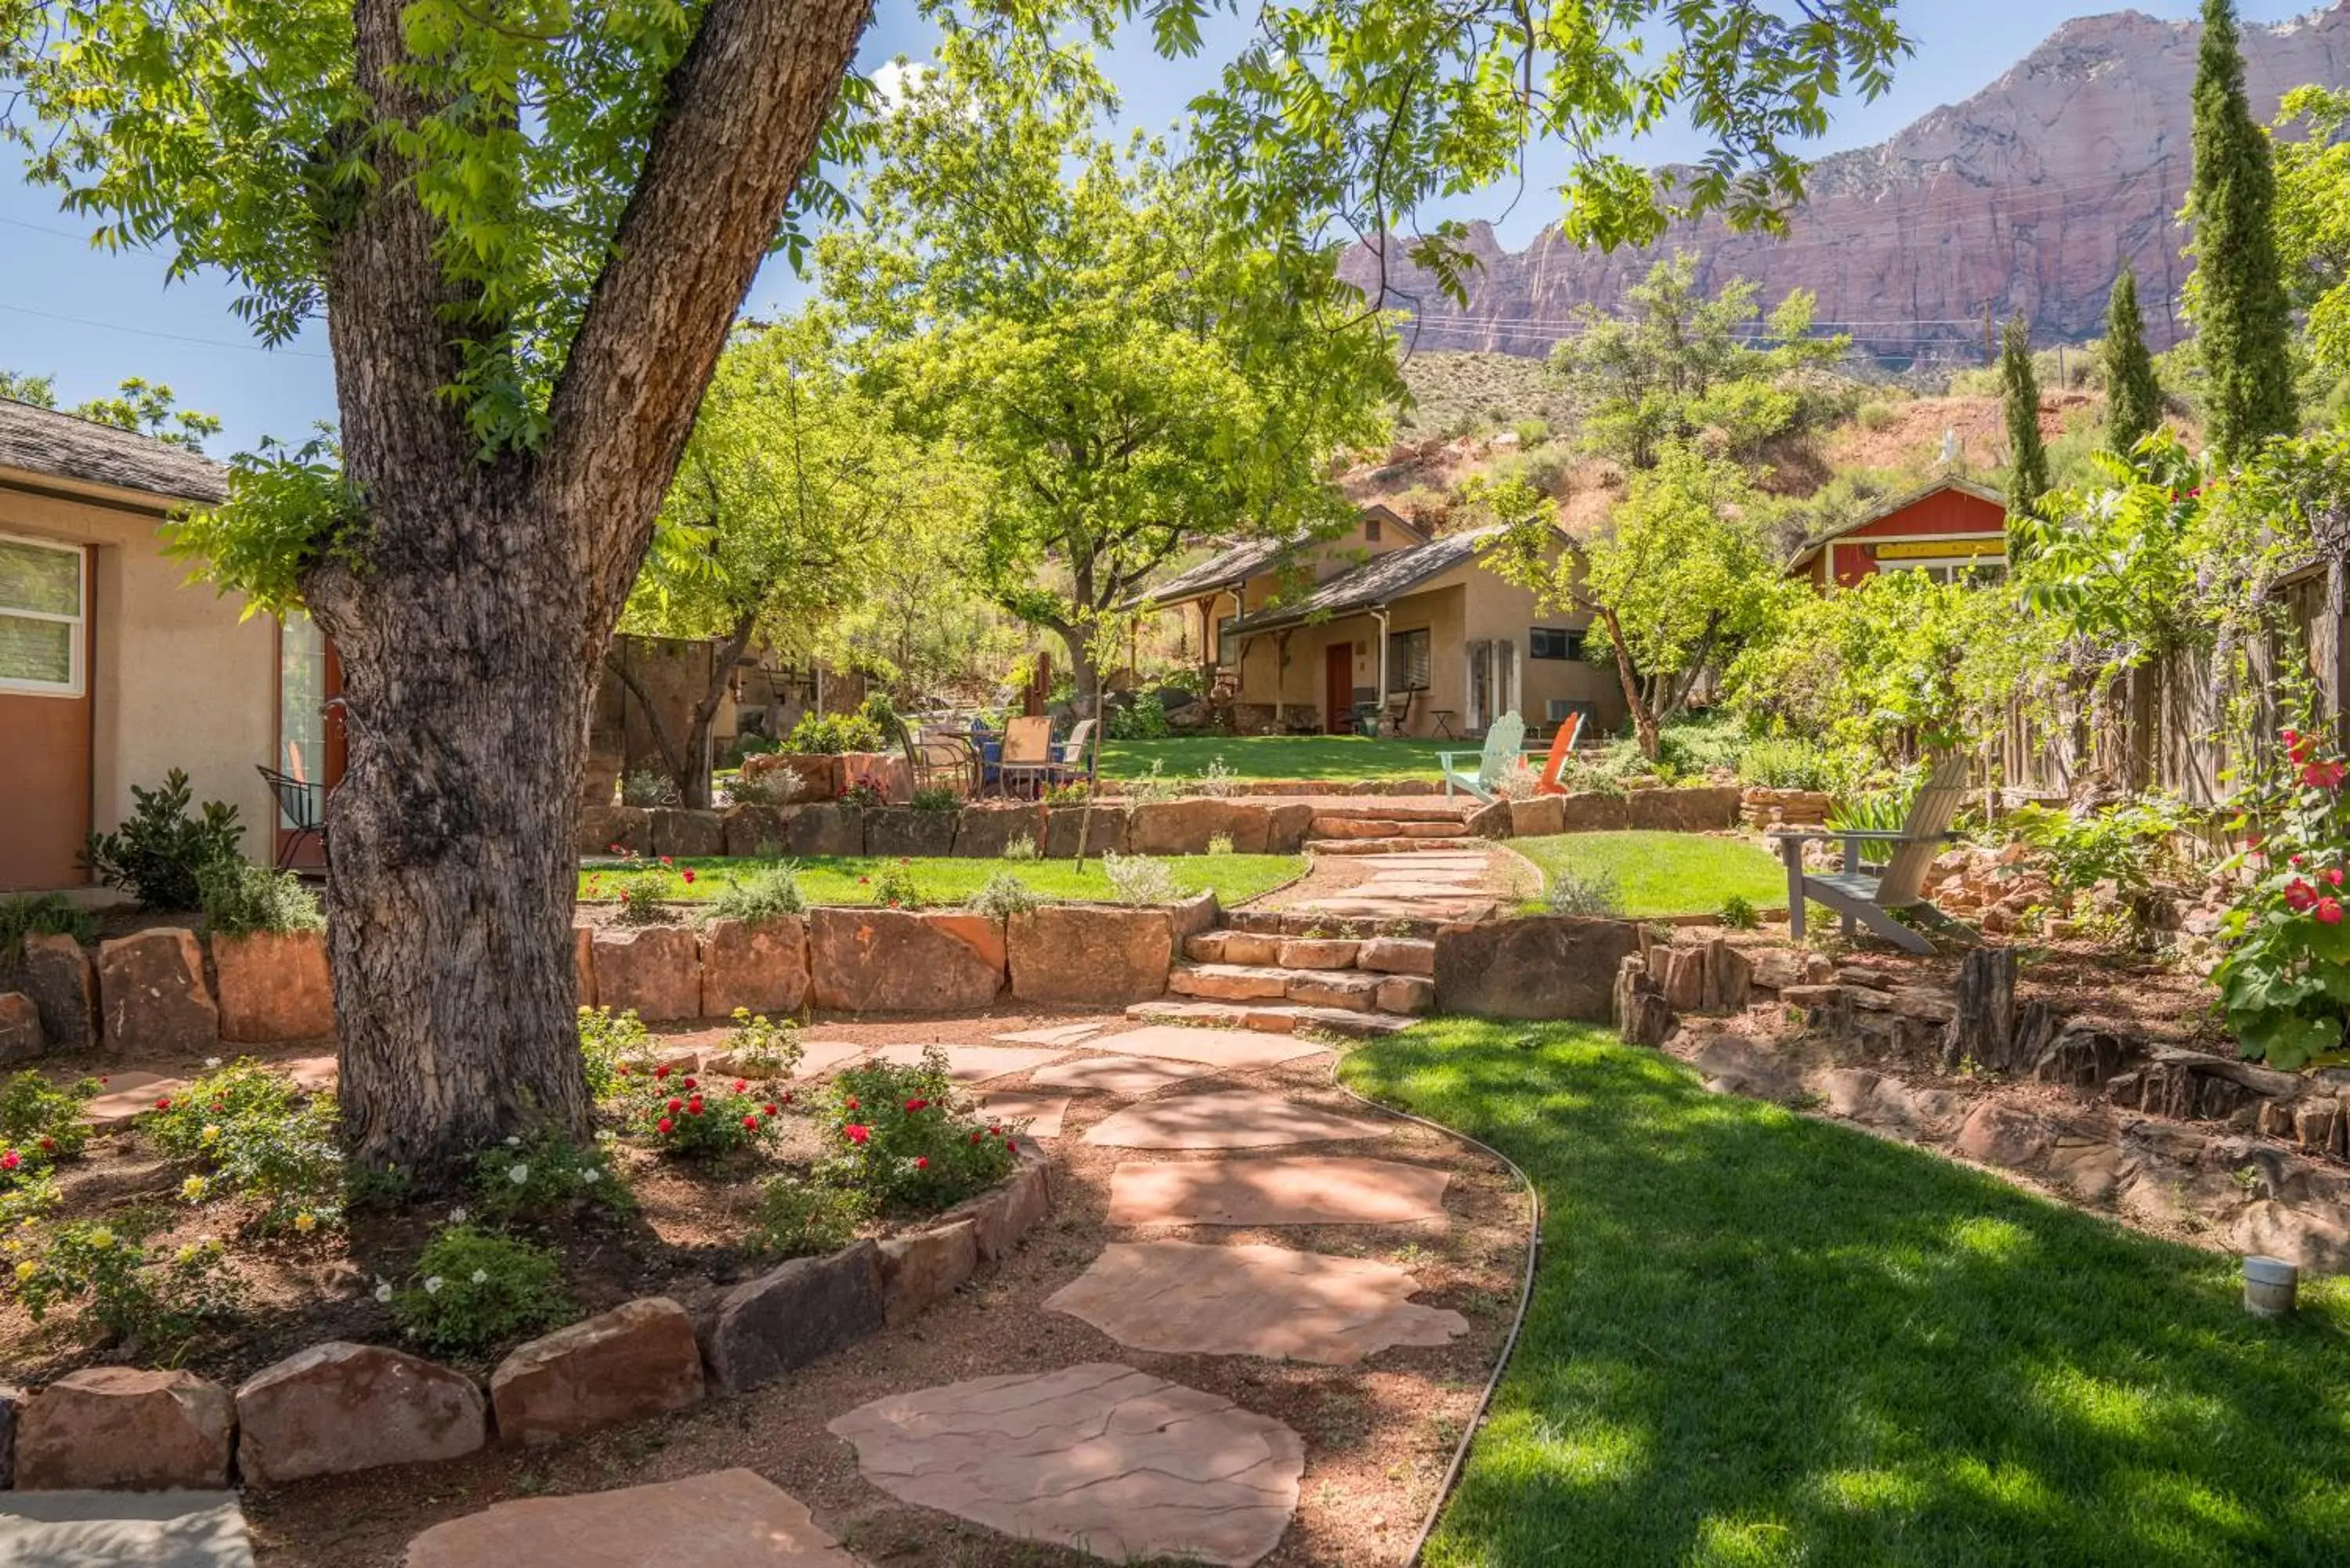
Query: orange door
point(44, 713)
point(1338, 695)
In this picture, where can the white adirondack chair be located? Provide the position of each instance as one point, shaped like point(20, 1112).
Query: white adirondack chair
point(1505, 741)
point(1868, 898)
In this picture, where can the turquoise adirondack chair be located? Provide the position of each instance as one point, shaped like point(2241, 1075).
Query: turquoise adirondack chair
point(1505, 741)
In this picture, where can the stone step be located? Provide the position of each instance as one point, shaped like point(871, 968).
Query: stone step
point(1269, 1017)
point(1344, 988)
point(1291, 923)
point(1393, 846)
point(1379, 955)
point(1346, 826)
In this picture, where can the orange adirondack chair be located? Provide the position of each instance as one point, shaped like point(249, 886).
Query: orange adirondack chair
point(1560, 744)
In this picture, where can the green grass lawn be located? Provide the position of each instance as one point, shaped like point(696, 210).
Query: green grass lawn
point(1280, 756)
point(838, 879)
point(1665, 873)
point(1760, 1339)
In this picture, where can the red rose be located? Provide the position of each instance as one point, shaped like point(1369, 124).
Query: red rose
point(693, 1107)
point(913, 1105)
point(661, 1071)
point(995, 1132)
point(2329, 913)
point(751, 1122)
point(740, 1085)
point(48, 1145)
point(769, 1107)
point(163, 1104)
point(10, 1160)
point(975, 1137)
point(787, 1096)
point(1009, 1147)
point(675, 1105)
point(665, 860)
point(2298, 895)
point(921, 1162)
point(850, 1102)
point(691, 1084)
point(2334, 876)
point(664, 1124)
point(687, 875)
point(856, 1134)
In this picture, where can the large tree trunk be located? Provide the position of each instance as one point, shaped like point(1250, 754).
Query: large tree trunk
point(693, 785)
point(484, 593)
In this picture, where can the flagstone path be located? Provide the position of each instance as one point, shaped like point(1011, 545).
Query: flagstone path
point(1278, 1260)
point(1466, 884)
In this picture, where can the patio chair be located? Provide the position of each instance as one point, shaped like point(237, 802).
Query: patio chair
point(1080, 758)
point(1027, 753)
point(305, 807)
point(1560, 744)
point(1869, 897)
point(939, 760)
point(1503, 740)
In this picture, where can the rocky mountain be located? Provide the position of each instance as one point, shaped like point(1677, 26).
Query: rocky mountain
point(2026, 197)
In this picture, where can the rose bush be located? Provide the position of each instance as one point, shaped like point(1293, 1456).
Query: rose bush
point(2284, 980)
point(902, 1137)
point(685, 1114)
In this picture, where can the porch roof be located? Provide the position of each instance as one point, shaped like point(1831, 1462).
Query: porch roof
point(1377, 581)
point(65, 446)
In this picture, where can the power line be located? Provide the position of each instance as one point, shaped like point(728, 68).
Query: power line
point(166, 337)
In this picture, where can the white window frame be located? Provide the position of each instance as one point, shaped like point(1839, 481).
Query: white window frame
point(79, 644)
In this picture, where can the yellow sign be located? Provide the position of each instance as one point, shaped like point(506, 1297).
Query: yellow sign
point(1941, 549)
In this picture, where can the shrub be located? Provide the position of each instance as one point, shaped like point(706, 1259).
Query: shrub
point(245, 1125)
point(935, 798)
point(612, 1046)
point(1218, 780)
point(474, 1289)
point(40, 1124)
point(801, 1218)
point(2285, 974)
point(2127, 845)
point(1875, 416)
point(1144, 789)
point(677, 1112)
point(894, 886)
point(219, 1106)
point(1739, 914)
point(864, 795)
point(1075, 791)
point(1003, 895)
point(240, 898)
point(26, 915)
point(760, 1049)
point(638, 894)
point(1532, 433)
point(831, 735)
point(1785, 765)
point(1023, 847)
point(1143, 719)
point(901, 1138)
point(1519, 781)
point(542, 1175)
point(776, 787)
point(155, 855)
point(150, 1303)
point(1138, 879)
point(1220, 844)
point(648, 786)
point(1583, 893)
point(762, 895)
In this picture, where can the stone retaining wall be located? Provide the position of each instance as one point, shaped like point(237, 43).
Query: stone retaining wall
point(340, 1407)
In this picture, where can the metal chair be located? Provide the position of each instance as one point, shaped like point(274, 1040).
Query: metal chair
point(305, 805)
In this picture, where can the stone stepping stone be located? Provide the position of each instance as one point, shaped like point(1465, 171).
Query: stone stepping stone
point(973, 1064)
point(1229, 1118)
point(1058, 1034)
point(123, 1530)
point(819, 1057)
point(1043, 1113)
point(1101, 1458)
point(1185, 1299)
point(312, 1075)
point(1236, 1048)
point(726, 1518)
point(128, 1095)
point(1129, 1077)
point(1278, 1189)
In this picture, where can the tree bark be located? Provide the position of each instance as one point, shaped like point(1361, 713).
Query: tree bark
point(472, 631)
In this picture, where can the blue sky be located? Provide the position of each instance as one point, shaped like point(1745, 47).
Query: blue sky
point(90, 317)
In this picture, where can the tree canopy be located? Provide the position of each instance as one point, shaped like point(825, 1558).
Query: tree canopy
point(2312, 218)
point(2133, 395)
point(2019, 401)
point(150, 408)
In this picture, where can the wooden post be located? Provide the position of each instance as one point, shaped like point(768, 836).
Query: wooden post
point(1039, 684)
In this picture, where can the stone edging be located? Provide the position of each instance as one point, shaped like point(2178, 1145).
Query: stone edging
point(338, 1407)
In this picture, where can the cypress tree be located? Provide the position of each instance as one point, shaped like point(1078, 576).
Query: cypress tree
point(2243, 325)
point(2133, 396)
point(2019, 396)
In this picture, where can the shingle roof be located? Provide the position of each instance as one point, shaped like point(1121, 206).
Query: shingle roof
point(1379, 580)
point(1227, 567)
point(64, 446)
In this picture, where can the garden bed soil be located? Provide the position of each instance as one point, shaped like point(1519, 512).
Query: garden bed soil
point(1379, 1436)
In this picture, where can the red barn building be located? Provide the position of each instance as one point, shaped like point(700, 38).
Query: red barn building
point(1949, 529)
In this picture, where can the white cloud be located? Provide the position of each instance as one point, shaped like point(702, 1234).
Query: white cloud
point(900, 81)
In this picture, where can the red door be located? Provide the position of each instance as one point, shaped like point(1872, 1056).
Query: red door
point(45, 712)
point(1338, 688)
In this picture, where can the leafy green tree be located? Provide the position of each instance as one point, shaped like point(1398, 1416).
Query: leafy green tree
point(2313, 217)
point(1683, 577)
point(2019, 398)
point(2133, 395)
point(1675, 361)
point(1125, 387)
point(147, 406)
point(528, 225)
point(791, 486)
point(2243, 325)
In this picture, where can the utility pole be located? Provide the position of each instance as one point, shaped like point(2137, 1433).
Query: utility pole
point(1991, 353)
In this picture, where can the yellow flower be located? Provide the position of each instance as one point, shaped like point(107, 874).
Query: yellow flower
point(194, 1189)
point(306, 1222)
point(211, 1135)
point(25, 1271)
point(101, 1239)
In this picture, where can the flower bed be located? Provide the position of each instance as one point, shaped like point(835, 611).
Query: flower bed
point(217, 1233)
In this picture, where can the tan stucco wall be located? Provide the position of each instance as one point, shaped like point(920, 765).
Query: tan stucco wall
point(176, 680)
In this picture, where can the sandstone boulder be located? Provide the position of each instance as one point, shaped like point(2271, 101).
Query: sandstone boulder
point(1194, 915)
point(13, 1401)
point(904, 960)
point(1185, 827)
point(1405, 994)
point(1397, 955)
point(632, 829)
point(1090, 955)
point(901, 830)
point(1698, 810)
point(985, 832)
point(687, 835)
point(597, 829)
point(825, 830)
point(791, 1315)
point(2315, 1239)
point(58, 975)
point(1491, 820)
point(153, 996)
point(338, 1408)
point(1103, 828)
point(1232, 947)
point(918, 1268)
point(1538, 817)
point(20, 1028)
point(274, 987)
point(125, 1428)
point(1594, 813)
point(821, 776)
point(1543, 966)
point(654, 971)
point(763, 967)
point(728, 1519)
point(1318, 952)
point(754, 830)
point(1286, 827)
point(2003, 1135)
point(637, 1360)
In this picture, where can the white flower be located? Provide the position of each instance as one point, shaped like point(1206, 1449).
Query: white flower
point(513, 1141)
point(432, 1286)
point(456, 1217)
point(518, 1175)
point(383, 1289)
point(591, 1174)
point(211, 1061)
point(480, 1276)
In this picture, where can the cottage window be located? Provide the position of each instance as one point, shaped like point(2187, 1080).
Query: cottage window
point(1228, 643)
point(42, 589)
point(1370, 530)
point(1553, 643)
point(1408, 661)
